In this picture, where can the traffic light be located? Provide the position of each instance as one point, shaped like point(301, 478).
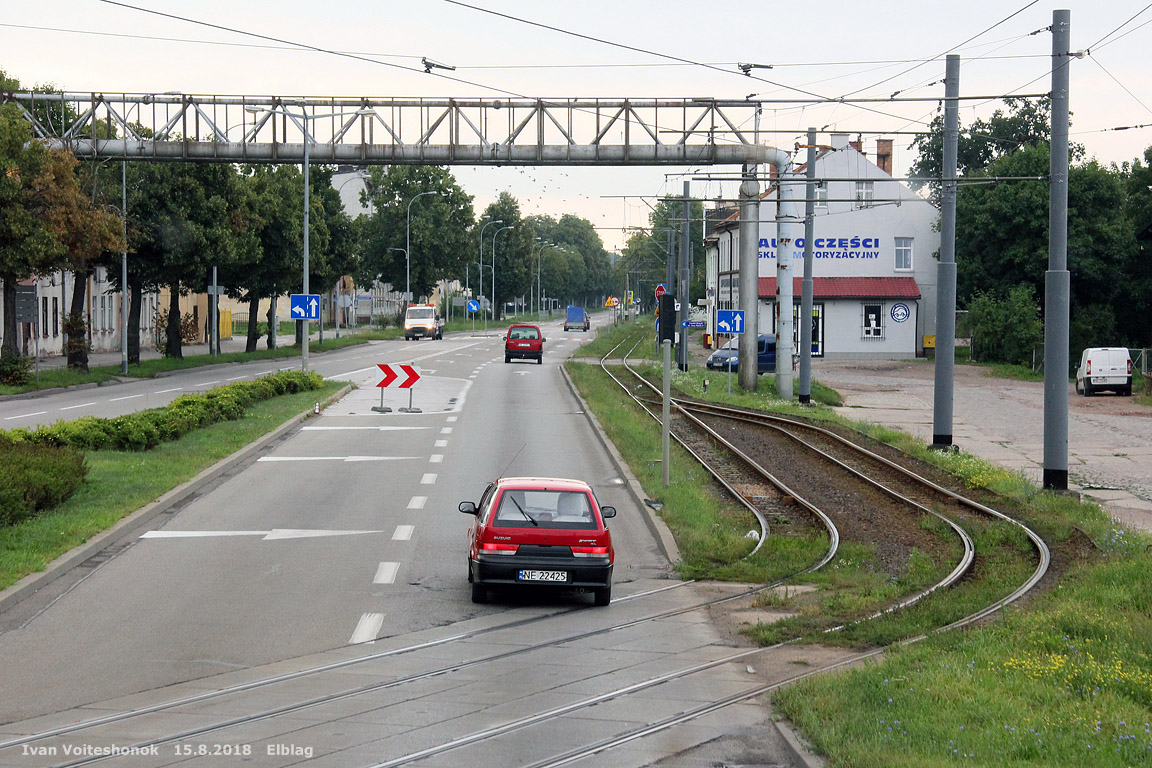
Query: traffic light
point(667, 318)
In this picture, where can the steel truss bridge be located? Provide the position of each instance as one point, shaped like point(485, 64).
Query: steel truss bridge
point(368, 131)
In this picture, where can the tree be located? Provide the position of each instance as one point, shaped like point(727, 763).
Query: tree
point(28, 242)
point(439, 236)
point(1005, 329)
point(1136, 323)
point(586, 267)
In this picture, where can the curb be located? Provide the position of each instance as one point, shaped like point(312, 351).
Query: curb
point(801, 754)
point(135, 520)
point(656, 525)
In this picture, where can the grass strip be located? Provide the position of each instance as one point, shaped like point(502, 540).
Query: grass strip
point(120, 482)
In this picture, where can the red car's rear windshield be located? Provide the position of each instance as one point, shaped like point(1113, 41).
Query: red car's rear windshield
point(549, 509)
point(523, 333)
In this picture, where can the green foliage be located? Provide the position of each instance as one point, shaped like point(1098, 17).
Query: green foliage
point(15, 370)
point(35, 477)
point(143, 430)
point(1005, 330)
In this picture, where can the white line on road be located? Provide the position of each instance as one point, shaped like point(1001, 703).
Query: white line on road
point(236, 378)
point(25, 415)
point(446, 431)
point(367, 628)
point(403, 533)
point(378, 429)
point(417, 502)
point(336, 458)
point(128, 397)
point(441, 443)
point(451, 419)
point(82, 405)
point(208, 383)
point(386, 573)
point(436, 458)
point(428, 479)
point(166, 391)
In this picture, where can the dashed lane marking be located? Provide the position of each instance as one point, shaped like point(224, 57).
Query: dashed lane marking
point(417, 502)
point(367, 629)
point(386, 573)
point(428, 479)
point(403, 533)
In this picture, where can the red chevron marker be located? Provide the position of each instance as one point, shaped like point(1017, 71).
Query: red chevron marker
point(392, 373)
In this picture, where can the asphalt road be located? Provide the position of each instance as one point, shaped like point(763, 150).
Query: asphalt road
point(344, 535)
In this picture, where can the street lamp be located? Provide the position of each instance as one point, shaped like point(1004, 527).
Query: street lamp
point(408, 247)
point(481, 291)
point(494, 236)
point(404, 302)
point(300, 120)
point(540, 252)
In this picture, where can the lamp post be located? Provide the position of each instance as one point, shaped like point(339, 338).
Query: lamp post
point(300, 120)
point(481, 291)
point(494, 236)
point(408, 246)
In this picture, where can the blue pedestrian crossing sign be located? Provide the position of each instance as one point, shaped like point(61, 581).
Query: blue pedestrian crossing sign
point(473, 306)
point(304, 306)
point(730, 321)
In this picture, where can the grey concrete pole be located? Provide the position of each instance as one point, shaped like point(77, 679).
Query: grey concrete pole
point(749, 275)
point(124, 269)
point(665, 448)
point(1057, 281)
point(804, 392)
point(214, 336)
point(943, 396)
point(786, 227)
point(682, 289)
point(304, 323)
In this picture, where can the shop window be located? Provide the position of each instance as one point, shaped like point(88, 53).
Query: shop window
point(873, 321)
point(865, 194)
point(904, 254)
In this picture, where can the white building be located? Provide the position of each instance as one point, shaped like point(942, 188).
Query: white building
point(875, 258)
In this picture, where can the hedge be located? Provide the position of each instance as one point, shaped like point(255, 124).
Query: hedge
point(35, 477)
point(142, 430)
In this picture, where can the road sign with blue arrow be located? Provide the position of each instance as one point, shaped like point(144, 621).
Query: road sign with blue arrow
point(473, 306)
point(730, 321)
point(304, 306)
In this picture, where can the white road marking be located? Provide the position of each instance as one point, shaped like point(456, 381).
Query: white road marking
point(82, 405)
point(403, 533)
point(441, 443)
point(208, 383)
point(367, 629)
point(428, 479)
point(276, 534)
point(128, 397)
point(25, 415)
point(446, 431)
point(436, 458)
point(336, 458)
point(166, 391)
point(451, 419)
point(236, 378)
point(378, 429)
point(417, 502)
point(386, 573)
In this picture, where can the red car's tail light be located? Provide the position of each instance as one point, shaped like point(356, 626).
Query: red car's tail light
point(589, 551)
point(1088, 368)
point(1129, 367)
point(493, 548)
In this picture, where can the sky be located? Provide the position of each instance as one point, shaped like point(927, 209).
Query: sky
point(610, 49)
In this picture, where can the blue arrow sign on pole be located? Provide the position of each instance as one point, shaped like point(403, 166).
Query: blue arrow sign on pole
point(304, 306)
point(730, 321)
point(473, 306)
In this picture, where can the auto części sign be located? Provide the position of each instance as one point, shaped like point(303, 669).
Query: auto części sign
point(393, 373)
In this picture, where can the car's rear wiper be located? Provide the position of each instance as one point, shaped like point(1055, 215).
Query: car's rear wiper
point(530, 518)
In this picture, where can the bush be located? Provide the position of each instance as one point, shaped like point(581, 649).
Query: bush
point(1005, 330)
point(35, 477)
point(15, 370)
point(142, 430)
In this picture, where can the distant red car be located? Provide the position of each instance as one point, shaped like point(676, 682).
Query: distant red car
point(524, 342)
point(543, 532)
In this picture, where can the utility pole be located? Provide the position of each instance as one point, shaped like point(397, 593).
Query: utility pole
point(1056, 280)
point(804, 392)
point(682, 291)
point(946, 270)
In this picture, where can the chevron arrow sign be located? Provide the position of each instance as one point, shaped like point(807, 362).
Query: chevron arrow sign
point(402, 376)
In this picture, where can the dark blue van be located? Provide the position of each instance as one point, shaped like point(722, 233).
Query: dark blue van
point(576, 319)
point(728, 356)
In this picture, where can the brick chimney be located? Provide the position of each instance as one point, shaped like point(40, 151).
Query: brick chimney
point(857, 145)
point(884, 155)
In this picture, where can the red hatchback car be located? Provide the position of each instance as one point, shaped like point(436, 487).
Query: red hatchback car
point(540, 531)
point(524, 342)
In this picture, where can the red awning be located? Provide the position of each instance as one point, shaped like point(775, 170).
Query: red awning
point(850, 287)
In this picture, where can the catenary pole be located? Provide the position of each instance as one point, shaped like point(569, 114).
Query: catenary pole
point(1057, 280)
point(804, 391)
point(682, 290)
point(749, 275)
point(124, 268)
point(943, 396)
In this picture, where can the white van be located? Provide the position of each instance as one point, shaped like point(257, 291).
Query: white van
point(1104, 368)
point(423, 320)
